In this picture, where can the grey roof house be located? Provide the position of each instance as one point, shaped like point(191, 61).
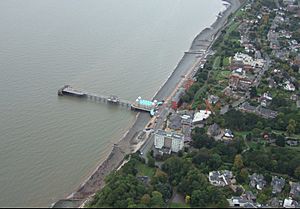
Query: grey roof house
point(220, 178)
point(214, 130)
point(295, 190)
point(257, 181)
point(277, 184)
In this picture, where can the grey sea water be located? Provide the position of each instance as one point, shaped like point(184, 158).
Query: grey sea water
point(49, 145)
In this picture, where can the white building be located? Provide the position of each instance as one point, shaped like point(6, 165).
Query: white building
point(173, 142)
point(290, 203)
point(248, 60)
point(290, 87)
point(220, 178)
point(201, 116)
point(245, 58)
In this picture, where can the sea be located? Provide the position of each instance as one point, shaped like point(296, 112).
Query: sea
point(50, 144)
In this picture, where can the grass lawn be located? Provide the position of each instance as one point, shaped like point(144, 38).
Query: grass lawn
point(226, 61)
point(240, 13)
point(241, 133)
point(217, 63)
point(231, 28)
point(144, 170)
point(222, 75)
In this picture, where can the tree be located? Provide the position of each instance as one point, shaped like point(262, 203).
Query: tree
point(280, 141)
point(180, 153)
point(297, 173)
point(176, 168)
point(291, 129)
point(249, 137)
point(244, 174)
point(264, 196)
point(159, 176)
point(187, 199)
point(194, 180)
point(121, 190)
point(215, 162)
point(151, 162)
point(238, 162)
point(198, 198)
point(156, 199)
point(259, 125)
point(256, 132)
point(145, 200)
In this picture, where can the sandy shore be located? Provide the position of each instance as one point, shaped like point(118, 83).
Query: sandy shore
point(96, 181)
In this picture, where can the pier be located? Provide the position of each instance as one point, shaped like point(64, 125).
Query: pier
point(139, 104)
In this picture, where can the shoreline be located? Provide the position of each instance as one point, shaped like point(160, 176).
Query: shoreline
point(115, 159)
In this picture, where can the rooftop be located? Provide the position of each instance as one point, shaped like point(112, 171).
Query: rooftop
point(145, 102)
point(201, 115)
point(169, 134)
point(278, 184)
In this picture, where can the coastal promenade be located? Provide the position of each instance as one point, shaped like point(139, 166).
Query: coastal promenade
point(188, 63)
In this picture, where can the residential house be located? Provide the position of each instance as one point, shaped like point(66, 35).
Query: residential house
point(246, 107)
point(266, 99)
point(214, 130)
point(228, 134)
point(266, 113)
point(238, 82)
point(297, 60)
point(275, 203)
point(250, 196)
point(186, 120)
point(289, 86)
point(295, 190)
point(277, 184)
point(212, 99)
point(175, 122)
point(240, 202)
point(288, 2)
point(260, 111)
point(282, 54)
point(294, 97)
point(273, 39)
point(272, 83)
point(144, 179)
point(290, 203)
point(257, 181)
point(221, 178)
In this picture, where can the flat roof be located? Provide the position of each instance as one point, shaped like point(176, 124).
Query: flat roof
point(170, 134)
point(202, 115)
point(145, 102)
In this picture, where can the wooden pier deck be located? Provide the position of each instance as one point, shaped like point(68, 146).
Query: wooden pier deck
point(69, 91)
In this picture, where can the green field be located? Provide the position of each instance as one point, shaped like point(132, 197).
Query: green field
point(144, 170)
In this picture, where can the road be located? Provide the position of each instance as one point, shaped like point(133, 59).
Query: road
point(164, 110)
point(187, 67)
point(263, 71)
